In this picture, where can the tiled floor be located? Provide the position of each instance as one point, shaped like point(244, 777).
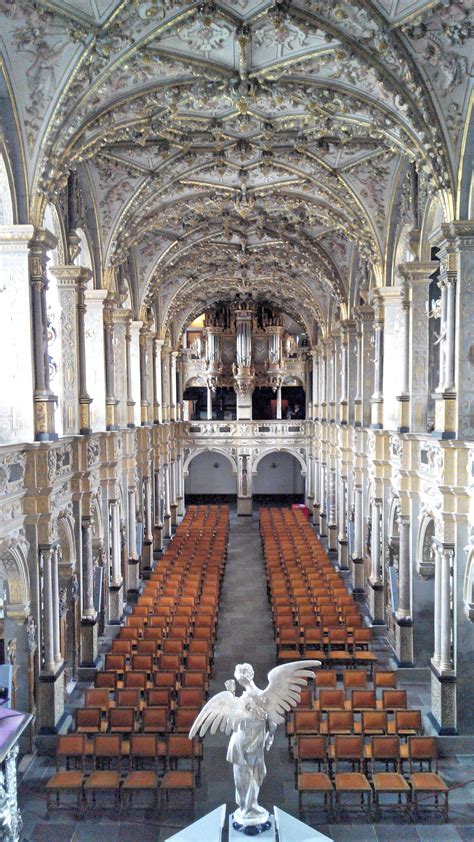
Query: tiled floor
point(245, 633)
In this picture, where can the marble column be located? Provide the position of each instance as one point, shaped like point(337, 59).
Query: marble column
point(116, 580)
point(133, 560)
point(55, 587)
point(173, 493)
point(377, 396)
point(322, 511)
point(158, 512)
point(323, 398)
point(167, 530)
point(158, 345)
point(332, 525)
point(344, 398)
point(130, 401)
point(173, 389)
point(462, 234)
point(358, 573)
point(110, 400)
point(342, 548)
point(446, 622)
point(278, 403)
point(16, 379)
point(144, 398)
point(417, 275)
point(49, 663)
point(180, 497)
point(358, 392)
point(89, 625)
point(376, 594)
point(403, 616)
point(165, 381)
point(95, 355)
point(437, 606)
point(443, 712)
point(147, 524)
point(316, 494)
point(44, 400)
point(209, 403)
point(404, 396)
point(315, 382)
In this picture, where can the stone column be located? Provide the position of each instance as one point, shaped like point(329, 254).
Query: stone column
point(55, 587)
point(209, 403)
point(332, 525)
point(95, 355)
point(278, 403)
point(358, 573)
point(72, 284)
point(377, 397)
point(446, 661)
point(147, 524)
point(158, 345)
point(315, 382)
point(463, 299)
point(173, 390)
point(180, 498)
point(130, 401)
point(158, 521)
point(403, 617)
point(49, 663)
point(358, 393)
point(322, 511)
point(376, 595)
point(404, 396)
point(317, 494)
point(116, 580)
point(89, 626)
point(344, 399)
point(110, 399)
point(173, 493)
point(443, 680)
point(417, 275)
point(445, 411)
point(167, 502)
point(323, 398)
point(16, 405)
point(44, 400)
point(331, 369)
point(165, 380)
point(144, 399)
point(343, 559)
point(133, 560)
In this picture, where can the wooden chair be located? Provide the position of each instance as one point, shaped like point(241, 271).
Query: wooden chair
point(159, 697)
point(144, 751)
point(326, 679)
point(313, 750)
point(175, 779)
point(363, 700)
point(106, 680)
point(423, 750)
point(122, 720)
point(135, 679)
point(155, 720)
point(354, 680)
point(68, 781)
point(88, 720)
point(374, 722)
point(387, 750)
point(350, 749)
point(115, 663)
point(385, 680)
point(340, 722)
point(408, 723)
point(98, 698)
point(190, 697)
point(107, 751)
point(129, 697)
point(393, 700)
point(330, 699)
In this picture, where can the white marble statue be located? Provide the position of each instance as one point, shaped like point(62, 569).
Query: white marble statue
point(252, 719)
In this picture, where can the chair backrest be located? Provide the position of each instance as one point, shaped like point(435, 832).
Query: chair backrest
point(331, 699)
point(374, 721)
point(143, 745)
point(89, 719)
point(158, 697)
point(156, 719)
point(115, 662)
point(184, 719)
point(311, 748)
point(165, 678)
point(349, 748)
point(363, 699)
point(408, 720)
point(337, 636)
point(128, 697)
point(147, 647)
point(190, 697)
point(70, 745)
point(197, 662)
point(392, 699)
point(306, 721)
point(142, 662)
point(354, 679)
point(106, 680)
point(423, 749)
point(97, 697)
point(122, 718)
point(121, 647)
point(385, 748)
point(107, 745)
point(385, 679)
point(340, 721)
point(194, 678)
point(134, 678)
point(326, 678)
point(180, 746)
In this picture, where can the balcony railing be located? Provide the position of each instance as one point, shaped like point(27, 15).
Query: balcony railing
point(246, 429)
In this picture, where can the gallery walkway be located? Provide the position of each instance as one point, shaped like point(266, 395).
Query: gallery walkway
point(244, 633)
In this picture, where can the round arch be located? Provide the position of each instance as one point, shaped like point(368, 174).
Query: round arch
point(268, 450)
point(424, 552)
point(14, 572)
point(394, 511)
point(200, 450)
point(209, 472)
point(279, 472)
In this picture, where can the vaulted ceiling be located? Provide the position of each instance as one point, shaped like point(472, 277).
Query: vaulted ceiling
point(242, 145)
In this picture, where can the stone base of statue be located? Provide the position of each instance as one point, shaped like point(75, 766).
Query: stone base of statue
point(265, 830)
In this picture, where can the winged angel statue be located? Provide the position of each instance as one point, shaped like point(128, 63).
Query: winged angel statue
point(252, 719)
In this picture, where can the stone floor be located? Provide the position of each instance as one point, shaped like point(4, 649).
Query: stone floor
point(245, 633)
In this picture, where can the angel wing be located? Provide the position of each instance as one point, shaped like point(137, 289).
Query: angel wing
point(284, 687)
point(223, 711)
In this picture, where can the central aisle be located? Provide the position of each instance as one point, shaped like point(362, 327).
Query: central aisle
point(245, 633)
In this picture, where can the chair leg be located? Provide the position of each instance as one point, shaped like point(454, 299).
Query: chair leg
point(446, 807)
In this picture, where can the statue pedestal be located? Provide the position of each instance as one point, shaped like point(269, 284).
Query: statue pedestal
point(240, 835)
point(209, 829)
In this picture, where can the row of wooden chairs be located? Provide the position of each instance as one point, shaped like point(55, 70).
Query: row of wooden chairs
point(156, 674)
point(364, 779)
point(121, 773)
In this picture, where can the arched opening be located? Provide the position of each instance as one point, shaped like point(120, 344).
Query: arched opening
point(279, 478)
point(423, 594)
point(210, 477)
